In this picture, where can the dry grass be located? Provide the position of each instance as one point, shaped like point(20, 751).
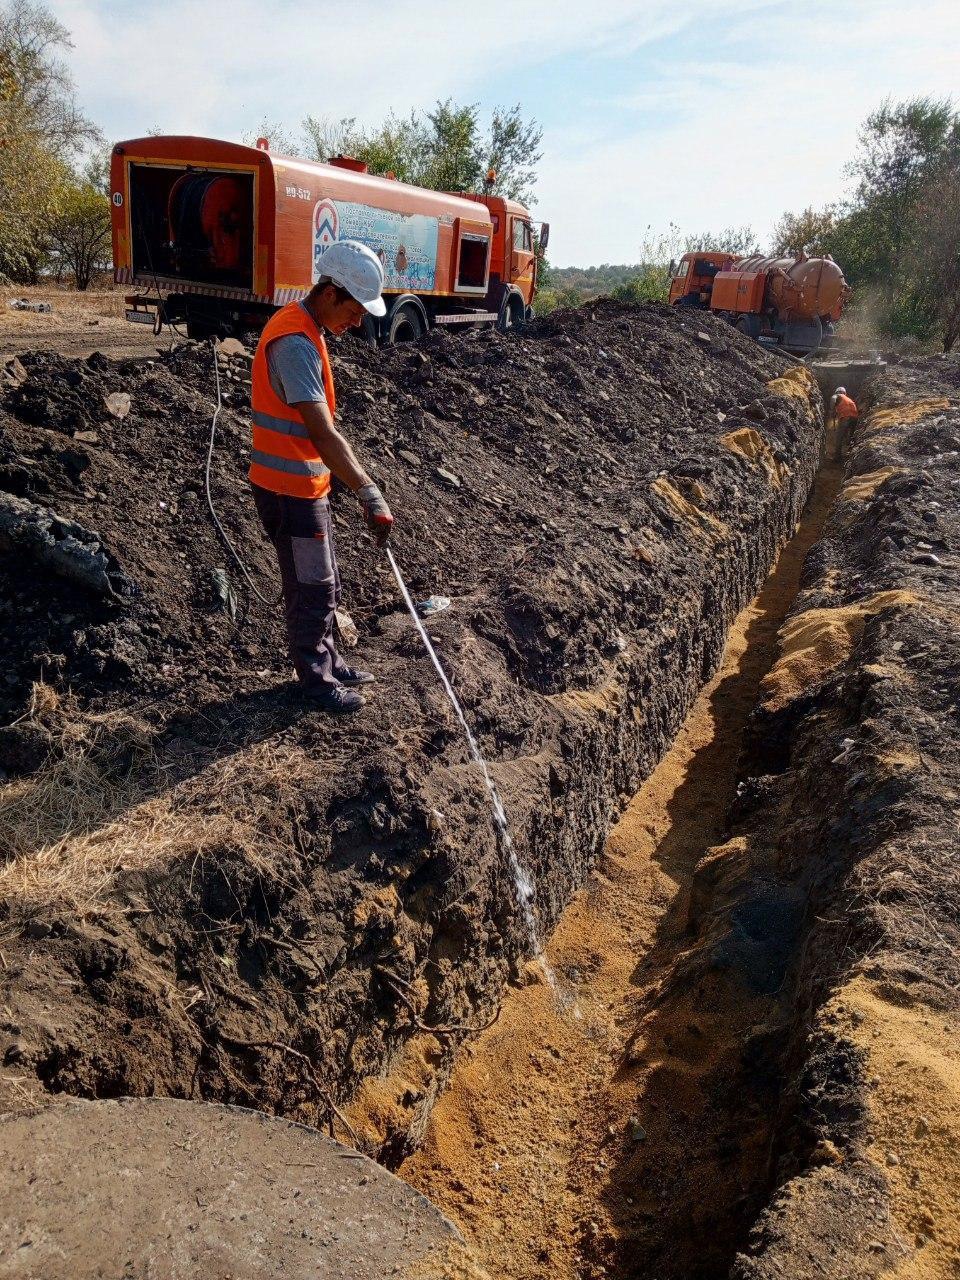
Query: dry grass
point(104, 804)
point(78, 324)
point(103, 299)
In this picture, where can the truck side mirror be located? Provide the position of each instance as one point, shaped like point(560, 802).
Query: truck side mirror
point(544, 236)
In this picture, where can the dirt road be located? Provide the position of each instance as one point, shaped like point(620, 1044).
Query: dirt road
point(77, 324)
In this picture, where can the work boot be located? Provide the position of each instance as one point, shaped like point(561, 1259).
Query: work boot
point(351, 676)
point(337, 700)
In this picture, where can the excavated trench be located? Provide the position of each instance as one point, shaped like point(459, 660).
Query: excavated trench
point(637, 1120)
point(623, 1125)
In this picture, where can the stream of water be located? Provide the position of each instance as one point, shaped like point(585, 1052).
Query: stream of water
point(523, 888)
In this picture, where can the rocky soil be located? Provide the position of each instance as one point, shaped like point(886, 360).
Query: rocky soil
point(213, 891)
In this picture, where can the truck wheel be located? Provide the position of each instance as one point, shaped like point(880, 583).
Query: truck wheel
point(406, 325)
point(368, 331)
point(511, 313)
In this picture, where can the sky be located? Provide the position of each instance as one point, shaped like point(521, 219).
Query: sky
point(697, 113)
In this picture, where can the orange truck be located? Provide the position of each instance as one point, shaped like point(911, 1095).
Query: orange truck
point(221, 235)
point(794, 302)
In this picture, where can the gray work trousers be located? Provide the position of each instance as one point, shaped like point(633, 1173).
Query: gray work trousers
point(301, 530)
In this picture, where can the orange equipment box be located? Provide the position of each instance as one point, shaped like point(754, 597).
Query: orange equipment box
point(740, 291)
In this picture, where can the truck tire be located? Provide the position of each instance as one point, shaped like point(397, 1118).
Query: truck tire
point(367, 332)
point(511, 312)
point(406, 325)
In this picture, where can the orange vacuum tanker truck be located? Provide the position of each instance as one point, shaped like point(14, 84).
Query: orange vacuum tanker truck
point(793, 303)
point(221, 235)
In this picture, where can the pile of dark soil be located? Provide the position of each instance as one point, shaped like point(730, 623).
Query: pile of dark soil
point(221, 893)
point(507, 462)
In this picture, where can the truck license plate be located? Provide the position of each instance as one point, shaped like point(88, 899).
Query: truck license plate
point(141, 317)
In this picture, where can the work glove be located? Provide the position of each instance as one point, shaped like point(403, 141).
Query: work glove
point(376, 513)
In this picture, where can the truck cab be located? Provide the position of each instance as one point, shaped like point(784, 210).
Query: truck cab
point(513, 256)
point(692, 280)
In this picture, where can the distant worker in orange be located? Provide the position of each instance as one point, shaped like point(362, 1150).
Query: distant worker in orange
point(296, 449)
point(843, 414)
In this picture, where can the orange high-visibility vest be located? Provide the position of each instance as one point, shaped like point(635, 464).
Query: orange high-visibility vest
point(845, 408)
point(284, 459)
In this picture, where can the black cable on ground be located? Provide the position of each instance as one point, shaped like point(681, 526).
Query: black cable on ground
point(271, 604)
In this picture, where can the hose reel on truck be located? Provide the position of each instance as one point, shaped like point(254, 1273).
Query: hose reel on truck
point(210, 225)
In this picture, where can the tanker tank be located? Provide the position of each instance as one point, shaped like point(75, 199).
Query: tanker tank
point(800, 288)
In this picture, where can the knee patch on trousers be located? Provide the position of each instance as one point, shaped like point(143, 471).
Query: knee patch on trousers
point(312, 560)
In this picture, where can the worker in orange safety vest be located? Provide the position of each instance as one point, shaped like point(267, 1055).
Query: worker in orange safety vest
point(296, 449)
point(843, 414)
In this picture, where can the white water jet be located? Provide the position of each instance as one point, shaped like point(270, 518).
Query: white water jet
point(523, 889)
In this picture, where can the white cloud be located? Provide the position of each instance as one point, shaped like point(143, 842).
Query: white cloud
point(221, 66)
point(744, 141)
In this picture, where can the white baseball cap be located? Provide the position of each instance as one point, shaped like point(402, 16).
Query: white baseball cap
point(356, 268)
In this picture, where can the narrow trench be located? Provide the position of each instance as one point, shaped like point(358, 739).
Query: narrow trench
point(606, 1135)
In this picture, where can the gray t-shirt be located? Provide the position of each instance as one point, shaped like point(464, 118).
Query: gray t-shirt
point(296, 370)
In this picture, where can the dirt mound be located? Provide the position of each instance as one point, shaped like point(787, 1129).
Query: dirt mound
point(506, 461)
point(215, 892)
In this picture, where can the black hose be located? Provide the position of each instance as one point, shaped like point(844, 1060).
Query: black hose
point(161, 309)
point(271, 604)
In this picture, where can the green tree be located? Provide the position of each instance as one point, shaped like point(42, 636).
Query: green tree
point(650, 284)
point(933, 256)
point(42, 130)
point(96, 168)
point(552, 298)
point(281, 140)
point(38, 98)
point(79, 231)
point(398, 146)
point(447, 148)
point(901, 146)
point(893, 234)
point(32, 183)
point(513, 153)
point(739, 240)
point(808, 231)
point(452, 148)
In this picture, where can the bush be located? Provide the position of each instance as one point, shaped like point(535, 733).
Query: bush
point(79, 231)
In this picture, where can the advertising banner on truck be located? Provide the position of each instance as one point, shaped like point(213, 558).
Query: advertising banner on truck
point(406, 244)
